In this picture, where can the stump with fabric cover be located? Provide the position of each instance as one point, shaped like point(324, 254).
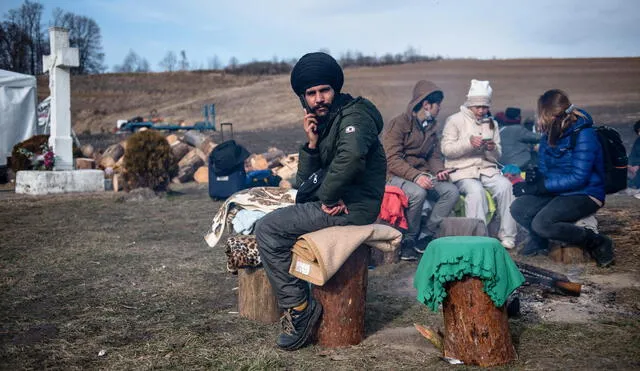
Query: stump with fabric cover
point(336, 260)
point(473, 276)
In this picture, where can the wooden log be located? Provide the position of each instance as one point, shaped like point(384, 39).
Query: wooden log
point(194, 138)
point(343, 302)
point(85, 163)
point(180, 149)
point(256, 298)
point(273, 157)
point(118, 182)
point(568, 254)
point(476, 331)
point(87, 150)
point(187, 166)
point(258, 162)
point(286, 172)
point(202, 155)
point(172, 138)
point(207, 146)
point(201, 175)
point(111, 155)
point(379, 258)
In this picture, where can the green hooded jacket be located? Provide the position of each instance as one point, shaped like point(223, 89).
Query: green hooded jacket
point(353, 157)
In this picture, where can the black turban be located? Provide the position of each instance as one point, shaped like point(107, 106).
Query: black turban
point(315, 69)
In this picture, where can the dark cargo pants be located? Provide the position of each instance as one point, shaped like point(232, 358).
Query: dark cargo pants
point(276, 233)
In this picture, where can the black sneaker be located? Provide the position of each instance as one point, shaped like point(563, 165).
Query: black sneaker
point(297, 326)
point(602, 250)
point(422, 244)
point(408, 254)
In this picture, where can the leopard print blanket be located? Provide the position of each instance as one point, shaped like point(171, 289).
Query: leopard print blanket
point(265, 199)
point(242, 252)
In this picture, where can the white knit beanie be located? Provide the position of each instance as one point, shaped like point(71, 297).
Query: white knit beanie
point(479, 94)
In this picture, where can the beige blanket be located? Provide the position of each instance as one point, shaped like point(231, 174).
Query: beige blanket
point(318, 255)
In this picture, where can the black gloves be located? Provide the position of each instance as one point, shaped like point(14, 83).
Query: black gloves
point(534, 184)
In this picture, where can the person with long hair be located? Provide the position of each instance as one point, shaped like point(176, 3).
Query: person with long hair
point(568, 183)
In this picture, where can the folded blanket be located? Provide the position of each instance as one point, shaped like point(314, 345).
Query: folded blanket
point(318, 255)
point(265, 199)
point(242, 252)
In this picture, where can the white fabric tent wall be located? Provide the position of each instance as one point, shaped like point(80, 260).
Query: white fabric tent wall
point(18, 97)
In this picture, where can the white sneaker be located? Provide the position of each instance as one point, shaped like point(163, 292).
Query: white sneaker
point(637, 195)
point(508, 242)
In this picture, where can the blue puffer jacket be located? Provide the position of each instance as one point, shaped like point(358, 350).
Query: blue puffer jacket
point(574, 171)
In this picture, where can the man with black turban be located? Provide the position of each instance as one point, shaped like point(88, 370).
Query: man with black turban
point(343, 144)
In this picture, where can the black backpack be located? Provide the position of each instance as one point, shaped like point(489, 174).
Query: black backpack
point(614, 155)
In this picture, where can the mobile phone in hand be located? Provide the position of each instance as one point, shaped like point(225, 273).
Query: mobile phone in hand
point(308, 109)
point(305, 105)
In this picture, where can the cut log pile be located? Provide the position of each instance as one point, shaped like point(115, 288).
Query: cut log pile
point(191, 151)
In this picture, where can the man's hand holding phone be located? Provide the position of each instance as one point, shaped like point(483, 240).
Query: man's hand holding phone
point(311, 128)
point(310, 123)
point(443, 175)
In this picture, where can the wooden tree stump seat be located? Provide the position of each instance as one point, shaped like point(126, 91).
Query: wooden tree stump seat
point(256, 298)
point(343, 301)
point(476, 331)
point(568, 254)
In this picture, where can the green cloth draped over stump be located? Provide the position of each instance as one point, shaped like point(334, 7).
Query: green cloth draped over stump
point(451, 258)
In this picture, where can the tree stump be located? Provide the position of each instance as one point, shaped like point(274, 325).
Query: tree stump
point(343, 301)
point(256, 299)
point(379, 257)
point(476, 331)
point(568, 254)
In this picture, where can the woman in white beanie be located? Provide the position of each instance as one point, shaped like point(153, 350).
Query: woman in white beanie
point(471, 145)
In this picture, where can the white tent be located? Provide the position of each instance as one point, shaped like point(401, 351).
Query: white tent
point(17, 110)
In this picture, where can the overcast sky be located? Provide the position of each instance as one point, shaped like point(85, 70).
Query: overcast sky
point(258, 29)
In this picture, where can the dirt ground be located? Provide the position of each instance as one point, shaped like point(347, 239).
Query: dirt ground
point(126, 281)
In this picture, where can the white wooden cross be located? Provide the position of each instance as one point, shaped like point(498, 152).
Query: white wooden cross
point(58, 63)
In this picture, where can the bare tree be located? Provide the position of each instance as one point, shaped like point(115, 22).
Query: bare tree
point(143, 65)
point(184, 62)
point(27, 18)
point(214, 63)
point(132, 63)
point(84, 34)
point(233, 63)
point(169, 62)
point(14, 48)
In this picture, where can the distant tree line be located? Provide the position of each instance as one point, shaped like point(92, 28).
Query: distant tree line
point(346, 60)
point(24, 40)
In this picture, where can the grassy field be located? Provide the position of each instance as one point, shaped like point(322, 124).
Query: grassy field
point(131, 277)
